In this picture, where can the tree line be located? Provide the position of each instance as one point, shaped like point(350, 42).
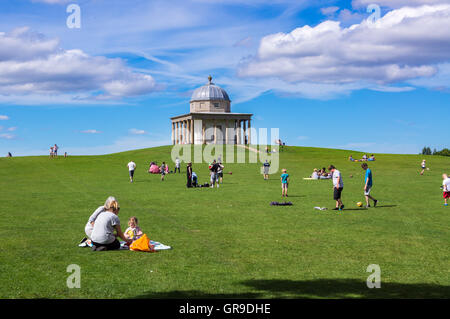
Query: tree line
point(427, 151)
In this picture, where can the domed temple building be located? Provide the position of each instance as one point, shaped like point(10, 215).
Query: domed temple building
point(210, 120)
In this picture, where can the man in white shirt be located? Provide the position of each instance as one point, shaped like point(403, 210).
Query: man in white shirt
point(131, 167)
point(446, 188)
point(338, 186)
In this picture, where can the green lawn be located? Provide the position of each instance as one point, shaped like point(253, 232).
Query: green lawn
point(227, 242)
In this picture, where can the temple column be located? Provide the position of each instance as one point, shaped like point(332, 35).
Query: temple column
point(245, 131)
point(176, 132)
point(249, 132)
point(187, 132)
point(173, 135)
point(203, 133)
point(192, 131)
point(226, 131)
point(238, 131)
point(215, 132)
point(183, 132)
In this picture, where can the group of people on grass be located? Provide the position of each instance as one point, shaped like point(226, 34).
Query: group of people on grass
point(338, 185)
point(215, 171)
point(103, 228)
point(320, 174)
point(54, 151)
point(363, 159)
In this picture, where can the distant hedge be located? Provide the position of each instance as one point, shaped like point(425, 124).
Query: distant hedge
point(427, 151)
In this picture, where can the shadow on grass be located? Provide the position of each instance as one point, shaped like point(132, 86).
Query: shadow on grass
point(320, 288)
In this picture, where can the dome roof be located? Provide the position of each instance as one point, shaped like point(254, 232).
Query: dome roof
point(209, 92)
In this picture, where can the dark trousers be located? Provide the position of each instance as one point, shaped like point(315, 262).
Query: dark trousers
point(112, 246)
point(177, 168)
point(189, 181)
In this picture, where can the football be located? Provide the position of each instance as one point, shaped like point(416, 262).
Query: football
point(359, 204)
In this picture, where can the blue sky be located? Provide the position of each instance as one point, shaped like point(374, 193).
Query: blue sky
point(321, 71)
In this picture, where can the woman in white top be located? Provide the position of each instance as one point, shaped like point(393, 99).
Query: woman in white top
point(107, 228)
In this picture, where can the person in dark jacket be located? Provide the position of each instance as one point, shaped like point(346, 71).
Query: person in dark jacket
point(189, 174)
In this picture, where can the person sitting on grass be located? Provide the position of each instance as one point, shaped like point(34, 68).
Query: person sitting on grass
point(107, 228)
point(284, 183)
point(133, 231)
point(90, 224)
point(351, 158)
point(194, 179)
point(446, 188)
point(315, 174)
point(371, 158)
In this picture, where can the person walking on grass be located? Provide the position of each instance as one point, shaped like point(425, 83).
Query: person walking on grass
point(266, 167)
point(131, 167)
point(446, 188)
point(220, 173)
point(284, 183)
point(163, 170)
point(423, 166)
point(368, 185)
point(189, 175)
point(338, 186)
point(214, 168)
point(177, 165)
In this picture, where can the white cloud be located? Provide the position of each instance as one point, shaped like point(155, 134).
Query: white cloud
point(395, 3)
point(7, 136)
point(12, 129)
point(404, 44)
point(90, 132)
point(137, 132)
point(329, 10)
point(31, 64)
point(53, 1)
point(4, 117)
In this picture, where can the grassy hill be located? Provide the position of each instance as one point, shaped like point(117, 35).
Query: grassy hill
point(227, 242)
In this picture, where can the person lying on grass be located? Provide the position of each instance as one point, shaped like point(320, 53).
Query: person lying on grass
point(107, 228)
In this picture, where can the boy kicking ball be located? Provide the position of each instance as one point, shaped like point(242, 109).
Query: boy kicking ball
point(368, 185)
point(284, 183)
point(446, 188)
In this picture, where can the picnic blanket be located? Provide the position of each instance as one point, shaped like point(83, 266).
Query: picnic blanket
point(145, 244)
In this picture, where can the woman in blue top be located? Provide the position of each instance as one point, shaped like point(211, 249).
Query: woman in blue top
point(284, 183)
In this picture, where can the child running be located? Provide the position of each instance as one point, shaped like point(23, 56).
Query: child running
point(423, 165)
point(133, 231)
point(284, 183)
point(446, 188)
